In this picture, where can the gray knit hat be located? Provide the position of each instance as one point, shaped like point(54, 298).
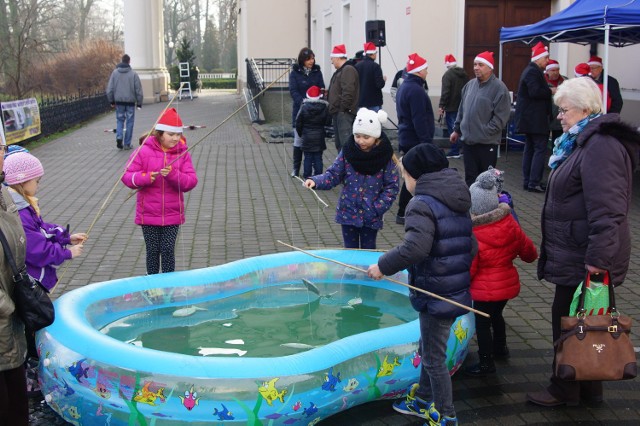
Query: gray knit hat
point(484, 194)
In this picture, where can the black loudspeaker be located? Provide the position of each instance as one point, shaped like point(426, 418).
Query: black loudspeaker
point(374, 32)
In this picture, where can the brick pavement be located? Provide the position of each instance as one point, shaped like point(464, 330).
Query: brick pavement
point(246, 201)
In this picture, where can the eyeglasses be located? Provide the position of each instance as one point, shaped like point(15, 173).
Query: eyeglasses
point(563, 111)
point(4, 148)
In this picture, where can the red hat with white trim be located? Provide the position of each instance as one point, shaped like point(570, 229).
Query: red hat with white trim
point(370, 48)
point(339, 51)
point(449, 61)
point(552, 65)
point(595, 60)
point(416, 63)
point(170, 121)
point(313, 92)
point(486, 58)
point(582, 69)
point(539, 51)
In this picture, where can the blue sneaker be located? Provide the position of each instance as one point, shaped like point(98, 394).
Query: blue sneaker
point(413, 405)
point(436, 420)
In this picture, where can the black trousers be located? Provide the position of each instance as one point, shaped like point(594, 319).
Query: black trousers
point(477, 159)
point(14, 404)
point(403, 200)
point(487, 340)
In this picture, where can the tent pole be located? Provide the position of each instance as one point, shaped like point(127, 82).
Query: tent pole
point(605, 77)
point(500, 62)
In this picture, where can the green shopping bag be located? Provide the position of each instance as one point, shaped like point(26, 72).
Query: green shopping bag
point(596, 298)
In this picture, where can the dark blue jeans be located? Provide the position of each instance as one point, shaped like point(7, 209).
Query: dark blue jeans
point(359, 238)
point(312, 160)
point(125, 113)
point(450, 118)
point(435, 381)
point(534, 159)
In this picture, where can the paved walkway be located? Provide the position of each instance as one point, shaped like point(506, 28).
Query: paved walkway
point(246, 201)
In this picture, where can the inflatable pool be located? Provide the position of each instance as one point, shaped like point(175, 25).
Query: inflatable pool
point(109, 358)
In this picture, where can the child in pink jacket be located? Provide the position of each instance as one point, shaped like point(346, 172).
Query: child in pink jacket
point(161, 170)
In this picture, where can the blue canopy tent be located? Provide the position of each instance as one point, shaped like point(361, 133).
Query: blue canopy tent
point(610, 22)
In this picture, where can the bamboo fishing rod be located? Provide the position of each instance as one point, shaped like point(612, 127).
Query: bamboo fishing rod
point(428, 293)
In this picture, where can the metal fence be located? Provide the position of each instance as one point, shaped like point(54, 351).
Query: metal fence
point(262, 72)
point(58, 113)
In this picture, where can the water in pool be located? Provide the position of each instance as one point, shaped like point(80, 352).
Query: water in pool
point(268, 322)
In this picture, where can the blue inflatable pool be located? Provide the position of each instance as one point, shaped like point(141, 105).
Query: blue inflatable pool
point(92, 378)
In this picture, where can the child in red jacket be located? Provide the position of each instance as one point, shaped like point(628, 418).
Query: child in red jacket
point(494, 278)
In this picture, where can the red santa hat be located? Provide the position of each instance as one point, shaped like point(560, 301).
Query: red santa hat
point(170, 121)
point(595, 60)
point(552, 65)
point(370, 48)
point(339, 51)
point(539, 51)
point(416, 63)
point(486, 58)
point(313, 92)
point(582, 69)
point(449, 61)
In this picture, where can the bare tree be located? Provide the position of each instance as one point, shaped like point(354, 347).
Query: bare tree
point(228, 17)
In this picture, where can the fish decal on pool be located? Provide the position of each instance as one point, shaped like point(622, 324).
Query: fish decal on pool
point(387, 368)
point(223, 414)
point(145, 396)
point(460, 332)
point(330, 381)
point(416, 360)
point(310, 410)
point(351, 385)
point(190, 399)
point(297, 406)
point(270, 393)
point(78, 371)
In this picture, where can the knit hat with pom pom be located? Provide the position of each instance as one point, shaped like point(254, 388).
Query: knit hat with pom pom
point(485, 190)
point(369, 122)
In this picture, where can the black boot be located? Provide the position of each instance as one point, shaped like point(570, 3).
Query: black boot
point(501, 352)
point(483, 367)
point(119, 143)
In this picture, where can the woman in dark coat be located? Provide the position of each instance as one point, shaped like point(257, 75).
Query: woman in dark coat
point(304, 74)
point(584, 217)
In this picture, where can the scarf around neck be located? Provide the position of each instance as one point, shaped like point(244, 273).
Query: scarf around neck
point(566, 143)
point(368, 163)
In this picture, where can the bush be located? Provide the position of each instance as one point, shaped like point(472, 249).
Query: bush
point(222, 83)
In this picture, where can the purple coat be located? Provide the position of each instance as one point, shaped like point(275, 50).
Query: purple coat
point(364, 198)
point(160, 202)
point(46, 244)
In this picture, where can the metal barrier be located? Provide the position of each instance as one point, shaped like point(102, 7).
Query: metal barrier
point(58, 114)
point(261, 72)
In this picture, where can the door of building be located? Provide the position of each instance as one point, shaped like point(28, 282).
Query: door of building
point(483, 20)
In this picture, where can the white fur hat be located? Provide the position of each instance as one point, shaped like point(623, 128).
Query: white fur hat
point(369, 122)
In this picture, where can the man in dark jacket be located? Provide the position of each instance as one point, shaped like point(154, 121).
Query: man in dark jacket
point(415, 117)
point(453, 80)
point(533, 116)
point(343, 94)
point(124, 92)
point(371, 79)
point(613, 87)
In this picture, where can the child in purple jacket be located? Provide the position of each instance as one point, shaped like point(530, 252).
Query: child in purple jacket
point(46, 242)
point(366, 166)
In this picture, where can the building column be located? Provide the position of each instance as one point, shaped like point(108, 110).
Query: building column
point(144, 43)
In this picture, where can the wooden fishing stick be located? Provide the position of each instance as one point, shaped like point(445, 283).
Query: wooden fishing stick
point(428, 293)
point(314, 193)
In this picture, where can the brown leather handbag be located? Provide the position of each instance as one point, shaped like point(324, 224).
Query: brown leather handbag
point(595, 347)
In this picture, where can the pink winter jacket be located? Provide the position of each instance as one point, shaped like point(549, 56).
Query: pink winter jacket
point(160, 203)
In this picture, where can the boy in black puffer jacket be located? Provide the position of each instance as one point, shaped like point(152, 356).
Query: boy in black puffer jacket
point(310, 125)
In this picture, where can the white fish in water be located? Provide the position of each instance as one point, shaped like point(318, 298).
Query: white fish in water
point(297, 346)
point(355, 301)
point(185, 312)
